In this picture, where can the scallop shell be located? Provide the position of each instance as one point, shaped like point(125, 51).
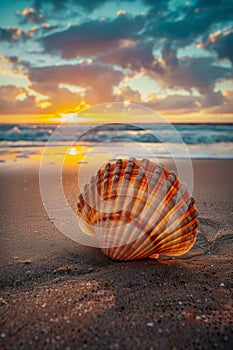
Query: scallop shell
point(138, 209)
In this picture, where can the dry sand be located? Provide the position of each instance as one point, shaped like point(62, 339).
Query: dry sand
point(57, 294)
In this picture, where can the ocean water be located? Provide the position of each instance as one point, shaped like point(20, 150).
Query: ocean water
point(202, 140)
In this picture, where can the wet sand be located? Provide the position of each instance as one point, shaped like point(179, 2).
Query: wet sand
point(57, 294)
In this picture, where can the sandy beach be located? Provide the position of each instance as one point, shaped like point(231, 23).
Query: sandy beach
point(57, 294)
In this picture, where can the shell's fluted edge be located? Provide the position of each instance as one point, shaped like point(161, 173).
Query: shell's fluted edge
point(138, 209)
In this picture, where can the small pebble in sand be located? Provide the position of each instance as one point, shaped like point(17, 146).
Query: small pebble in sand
point(150, 324)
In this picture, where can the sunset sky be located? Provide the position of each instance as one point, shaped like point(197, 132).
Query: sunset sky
point(61, 56)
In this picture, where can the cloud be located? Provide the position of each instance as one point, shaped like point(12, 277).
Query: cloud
point(10, 34)
point(169, 55)
point(87, 5)
point(222, 44)
point(12, 67)
point(187, 72)
point(93, 37)
point(91, 5)
point(9, 103)
point(9, 92)
point(225, 107)
point(198, 72)
point(213, 99)
point(13, 64)
point(79, 74)
point(98, 80)
point(126, 94)
point(176, 103)
point(14, 34)
point(121, 12)
point(131, 55)
point(161, 44)
point(13, 59)
point(188, 104)
point(30, 15)
point(30, 33)
point(39, 98)
point(58, 99)
point(214, 10)
point(183, 24)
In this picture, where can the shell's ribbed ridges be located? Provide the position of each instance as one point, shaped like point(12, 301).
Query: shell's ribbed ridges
point(138, 209)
